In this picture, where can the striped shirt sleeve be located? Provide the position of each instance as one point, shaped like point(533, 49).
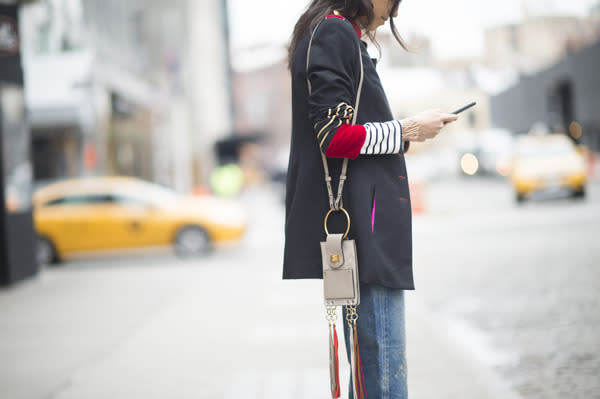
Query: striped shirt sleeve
point(382, 138)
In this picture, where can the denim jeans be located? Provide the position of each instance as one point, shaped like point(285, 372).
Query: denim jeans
point(382, 341)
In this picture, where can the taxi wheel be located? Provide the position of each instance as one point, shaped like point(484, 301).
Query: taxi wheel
point(192, 241)
point(45, 252)
point(520, 198)
point(579, 193)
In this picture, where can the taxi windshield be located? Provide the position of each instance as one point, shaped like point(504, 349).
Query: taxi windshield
point(538, 149)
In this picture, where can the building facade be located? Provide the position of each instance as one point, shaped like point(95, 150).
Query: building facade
point(174, 57)
point(537, 42)
point(125, 88)
point(565, 97)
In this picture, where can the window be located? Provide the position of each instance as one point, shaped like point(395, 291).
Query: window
point(86, 199)
point(127, 201)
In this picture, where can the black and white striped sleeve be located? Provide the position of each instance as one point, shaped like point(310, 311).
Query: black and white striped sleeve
point(382, 138)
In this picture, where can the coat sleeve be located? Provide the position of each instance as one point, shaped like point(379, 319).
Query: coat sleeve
point(333, 75)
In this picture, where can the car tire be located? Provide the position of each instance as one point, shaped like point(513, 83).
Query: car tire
point(579, 193)
point(192, 241)
point(45, 251)
point(520, 198)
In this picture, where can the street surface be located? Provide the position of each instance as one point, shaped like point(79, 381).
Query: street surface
point(518, 285)
point(506, 293)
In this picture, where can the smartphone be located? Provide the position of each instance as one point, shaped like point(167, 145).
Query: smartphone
point(464, 108)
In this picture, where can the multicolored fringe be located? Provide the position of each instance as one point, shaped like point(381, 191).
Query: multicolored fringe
point(358, 376)
point(359, 389)
point(357, 372)
point(334, 363)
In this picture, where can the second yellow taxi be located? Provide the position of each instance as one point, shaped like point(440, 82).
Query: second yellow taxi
point(547, 163)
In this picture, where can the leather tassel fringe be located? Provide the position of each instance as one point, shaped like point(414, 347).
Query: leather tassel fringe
point(358, 376)
point(334, 363)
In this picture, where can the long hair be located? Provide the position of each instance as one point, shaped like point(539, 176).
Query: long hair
point(317, 10)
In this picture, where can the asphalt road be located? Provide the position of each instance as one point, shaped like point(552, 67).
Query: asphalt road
point(517, 285)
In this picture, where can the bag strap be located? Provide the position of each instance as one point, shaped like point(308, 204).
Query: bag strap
point(335, 203)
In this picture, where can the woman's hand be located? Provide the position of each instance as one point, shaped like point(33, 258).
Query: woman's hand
point(425, 125)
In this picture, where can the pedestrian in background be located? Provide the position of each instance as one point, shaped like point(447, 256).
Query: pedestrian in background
point(376, 195)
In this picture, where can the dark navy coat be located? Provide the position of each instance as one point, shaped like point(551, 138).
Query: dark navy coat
point(376, 192)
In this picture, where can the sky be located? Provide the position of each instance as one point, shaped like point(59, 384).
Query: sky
point(455, 27)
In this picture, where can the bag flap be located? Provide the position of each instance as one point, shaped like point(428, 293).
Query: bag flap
point(333, 250)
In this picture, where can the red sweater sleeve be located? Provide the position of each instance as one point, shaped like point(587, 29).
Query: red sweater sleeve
point(347, 142)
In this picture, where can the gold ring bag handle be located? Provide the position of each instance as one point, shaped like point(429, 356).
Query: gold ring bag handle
point(340, 266)
point(347, 221)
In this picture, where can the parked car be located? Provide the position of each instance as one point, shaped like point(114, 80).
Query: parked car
point(547, 163)
point(101, 213)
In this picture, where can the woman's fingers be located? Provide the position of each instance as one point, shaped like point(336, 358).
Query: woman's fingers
point(425, 125)
point(448, 117)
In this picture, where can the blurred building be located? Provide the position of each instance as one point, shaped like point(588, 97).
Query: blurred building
point(60, 94)
point(537, 42)
point(262, 104)
point(138, 88)
point(17, 259)
point(540, 41)
point(167, 66)
point(395, 56)
point(554, 75)
point(262, 100)
point(564, 97)
point(416, 81)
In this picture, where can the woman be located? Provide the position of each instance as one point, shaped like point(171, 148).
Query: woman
point(376, 193)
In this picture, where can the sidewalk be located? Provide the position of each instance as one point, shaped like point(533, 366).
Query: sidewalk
point(127, 331)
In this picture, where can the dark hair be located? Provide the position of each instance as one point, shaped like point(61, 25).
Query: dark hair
point(317, 10)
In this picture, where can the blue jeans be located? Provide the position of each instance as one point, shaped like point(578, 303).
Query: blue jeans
point(382, 341)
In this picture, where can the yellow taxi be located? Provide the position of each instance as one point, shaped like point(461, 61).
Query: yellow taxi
point(101, 213)
point(547, 163)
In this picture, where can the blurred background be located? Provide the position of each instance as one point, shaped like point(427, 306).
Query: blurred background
point(144, 148)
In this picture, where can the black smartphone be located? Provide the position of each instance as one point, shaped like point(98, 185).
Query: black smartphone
point(466, 107)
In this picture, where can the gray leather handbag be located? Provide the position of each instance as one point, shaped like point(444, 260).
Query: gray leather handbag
point(340, 268)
